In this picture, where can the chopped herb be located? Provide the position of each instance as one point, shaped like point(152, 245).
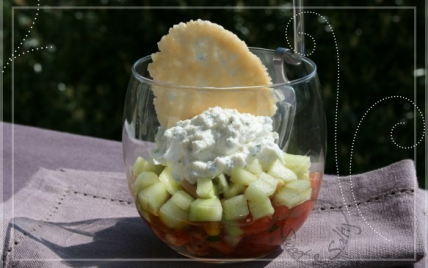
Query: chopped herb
point(273, 228)
point(213, 238)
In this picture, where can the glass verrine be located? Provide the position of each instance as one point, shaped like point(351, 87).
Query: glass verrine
point(225, 240)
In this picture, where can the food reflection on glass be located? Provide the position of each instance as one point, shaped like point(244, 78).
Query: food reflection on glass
point(203, 148)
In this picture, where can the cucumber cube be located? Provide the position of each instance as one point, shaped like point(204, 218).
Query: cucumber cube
point(206, 210)
point(299, 164)
point(254, 167)
point(153, 197)
point(145, 215)
point(269, 180)
point(299, 185)
point(173, 216)
point(221, 183)
point(205, 188)
point(233, 230)
point(261, 208)
point(144, 180)
point(261, 188)
point(235, 208)
point(279, 171)
point(138, 166)
point(242, 176)
point(294, 193)
point(303, 176)
point(168, 180)
point(148, 166)
point(232, 240)
point(182, 199)
point(234, 190)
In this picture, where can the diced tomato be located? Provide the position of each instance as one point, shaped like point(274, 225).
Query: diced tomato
point(258, 226)
point(288, 228)
point(198, 234)
point(159, 232)
point(247, 220)
point(178, 237)
point(299, 210)
point(198, 247)
point(281, 212)
point(259, 244)
point(299, 213)
point(157, 226)
point(315, 178)
point(221, 246)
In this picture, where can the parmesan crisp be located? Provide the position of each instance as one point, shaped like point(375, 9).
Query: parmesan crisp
point(204, 54)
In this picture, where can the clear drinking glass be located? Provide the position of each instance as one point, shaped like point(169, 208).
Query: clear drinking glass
point(251, 238)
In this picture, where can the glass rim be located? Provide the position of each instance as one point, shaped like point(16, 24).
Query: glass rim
point(144, 79)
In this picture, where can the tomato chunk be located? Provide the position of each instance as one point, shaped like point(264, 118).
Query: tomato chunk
point(198, 247)
point(178, 237)
point(258, 226)
point(315, 178)
point(221, 246)
point(281, 212)
point(259, 244)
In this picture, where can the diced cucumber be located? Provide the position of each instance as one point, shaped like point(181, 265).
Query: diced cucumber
point(299, 185)
point(242, 176)
point(173, 216)
point(138, 166)
point(299, 164)
point(205, 188)
point(279, 171)
point(260, 189)
point(145, 215)
point(221, 183)
point(303, 176)
point(254, 167)
point(153, 168)
point(144, 180)
point(235, 208)
point(261, 208)
point(206, 210)
point(233, 190)
point(168, 180)
point(182, 199)
point(294, 193)
point(232, 240)
point(153, 197)
point(272, 181)
point(233, 229)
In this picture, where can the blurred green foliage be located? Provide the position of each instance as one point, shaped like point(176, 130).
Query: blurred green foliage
point(79, 84)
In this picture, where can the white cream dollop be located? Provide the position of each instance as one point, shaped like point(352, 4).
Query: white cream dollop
point(215, 142)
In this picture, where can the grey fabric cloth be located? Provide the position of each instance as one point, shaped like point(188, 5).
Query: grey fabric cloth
point(75, 218)
point(34, 148)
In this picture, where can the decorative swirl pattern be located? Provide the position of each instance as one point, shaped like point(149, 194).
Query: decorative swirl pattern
point(25, 52)
point(31, 27)
point(336, 118)
point(16, 53)
point(401, 147)
point(313, 39)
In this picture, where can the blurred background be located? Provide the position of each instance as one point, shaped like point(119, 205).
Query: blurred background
point(78, 83)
